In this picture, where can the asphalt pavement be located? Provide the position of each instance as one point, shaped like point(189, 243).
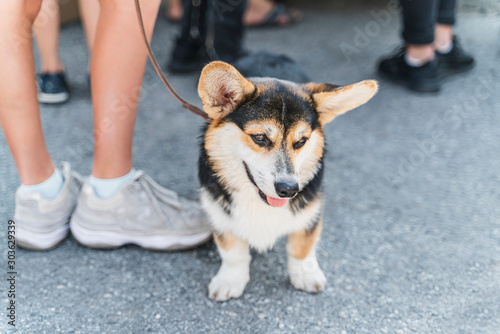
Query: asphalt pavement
point(411, 240)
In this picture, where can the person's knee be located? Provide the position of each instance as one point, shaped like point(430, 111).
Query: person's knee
point(146, 6)
point(30, 8)
point(19, 14)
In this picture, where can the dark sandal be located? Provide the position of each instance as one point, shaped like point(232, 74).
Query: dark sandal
point(280, 16)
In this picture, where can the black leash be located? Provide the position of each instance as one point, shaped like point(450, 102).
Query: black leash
point(194, 109)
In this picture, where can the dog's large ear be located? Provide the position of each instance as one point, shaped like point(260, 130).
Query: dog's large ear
point(336, 101)
point(222, 88)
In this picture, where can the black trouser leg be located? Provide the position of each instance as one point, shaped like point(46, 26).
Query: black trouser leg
point(446, 12)
point(421, 16)
point(190, 42)
point(419, 20)
point(225, 29)
point(193, 22)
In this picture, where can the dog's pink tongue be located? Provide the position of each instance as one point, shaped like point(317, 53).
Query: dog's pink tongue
point(276, 202)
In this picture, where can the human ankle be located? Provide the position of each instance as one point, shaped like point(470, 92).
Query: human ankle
point(49, 188)
point(420, 53)
point(106, 188)
point(33, 174)
point(52, 68)
point(443, 38)
point(257, 12)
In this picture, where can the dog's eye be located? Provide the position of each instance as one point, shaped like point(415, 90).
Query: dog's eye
point(261, 140)
point(300, 143)
point(259, 137)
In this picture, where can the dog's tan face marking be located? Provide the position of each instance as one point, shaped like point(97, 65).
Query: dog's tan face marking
point(270, 129)
point(292, 155)
point(298, 136)
point(305, 148)
point(267, 128)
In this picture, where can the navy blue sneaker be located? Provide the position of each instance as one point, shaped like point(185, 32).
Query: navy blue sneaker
point(188, 56)
point(421, 79)
point(455, 61)
point(52, 88)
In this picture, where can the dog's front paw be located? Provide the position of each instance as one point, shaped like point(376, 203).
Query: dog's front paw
point(228, 283)
point(221, 289)
point(306, 275)
point(310, 282)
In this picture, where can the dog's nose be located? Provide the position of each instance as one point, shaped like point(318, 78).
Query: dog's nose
point(286, 189)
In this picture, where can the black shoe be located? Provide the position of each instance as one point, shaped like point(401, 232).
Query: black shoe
point(189, 53)
point(225, 39)
point(420, 79)
point(188, 56)
point(455, 61)
point(52, 88)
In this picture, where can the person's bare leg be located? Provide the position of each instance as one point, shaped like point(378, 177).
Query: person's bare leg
point(118, 63)
point(19, 111)
point(424, 53)
point(117, 69)
point(89, 11)
point(47, 36)
point(257, 11)
point(443, 35)
point(173, 10)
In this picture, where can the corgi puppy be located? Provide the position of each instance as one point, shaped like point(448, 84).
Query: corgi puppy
point(261, 166)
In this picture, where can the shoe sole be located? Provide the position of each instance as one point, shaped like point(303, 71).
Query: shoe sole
point(37, 241)
point(449, 70)
point(113, 240)
point(423, 88)
point(409, 85)
point(53, 98)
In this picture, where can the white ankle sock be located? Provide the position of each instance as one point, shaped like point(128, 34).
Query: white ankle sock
point(413, 62)
point(49, 188)
point(444, 49)
point(105, 188)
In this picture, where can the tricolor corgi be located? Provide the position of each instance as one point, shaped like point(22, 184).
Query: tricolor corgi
point(261, 166)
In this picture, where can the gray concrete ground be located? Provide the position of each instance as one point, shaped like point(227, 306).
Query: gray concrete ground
point(411, 242)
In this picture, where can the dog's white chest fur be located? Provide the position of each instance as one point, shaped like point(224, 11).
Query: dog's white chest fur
point(256, 222)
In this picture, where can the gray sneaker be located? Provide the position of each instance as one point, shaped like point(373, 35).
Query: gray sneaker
point(42, 224)
point(142, 213)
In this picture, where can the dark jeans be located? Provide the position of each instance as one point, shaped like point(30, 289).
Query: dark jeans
point(225, 29)
point(421, 16)
point(193, 21)
point(216, 24)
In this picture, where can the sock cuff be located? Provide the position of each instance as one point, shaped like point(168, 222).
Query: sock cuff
point(414, 62)
point(92, 178)
point(106, 188)
point(49, 188)
point(446, 48)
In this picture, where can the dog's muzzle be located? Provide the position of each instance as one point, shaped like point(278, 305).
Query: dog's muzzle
point(286, 189)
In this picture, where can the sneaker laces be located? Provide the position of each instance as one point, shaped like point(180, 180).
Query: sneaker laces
point(170, 197)
point(67, 172)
